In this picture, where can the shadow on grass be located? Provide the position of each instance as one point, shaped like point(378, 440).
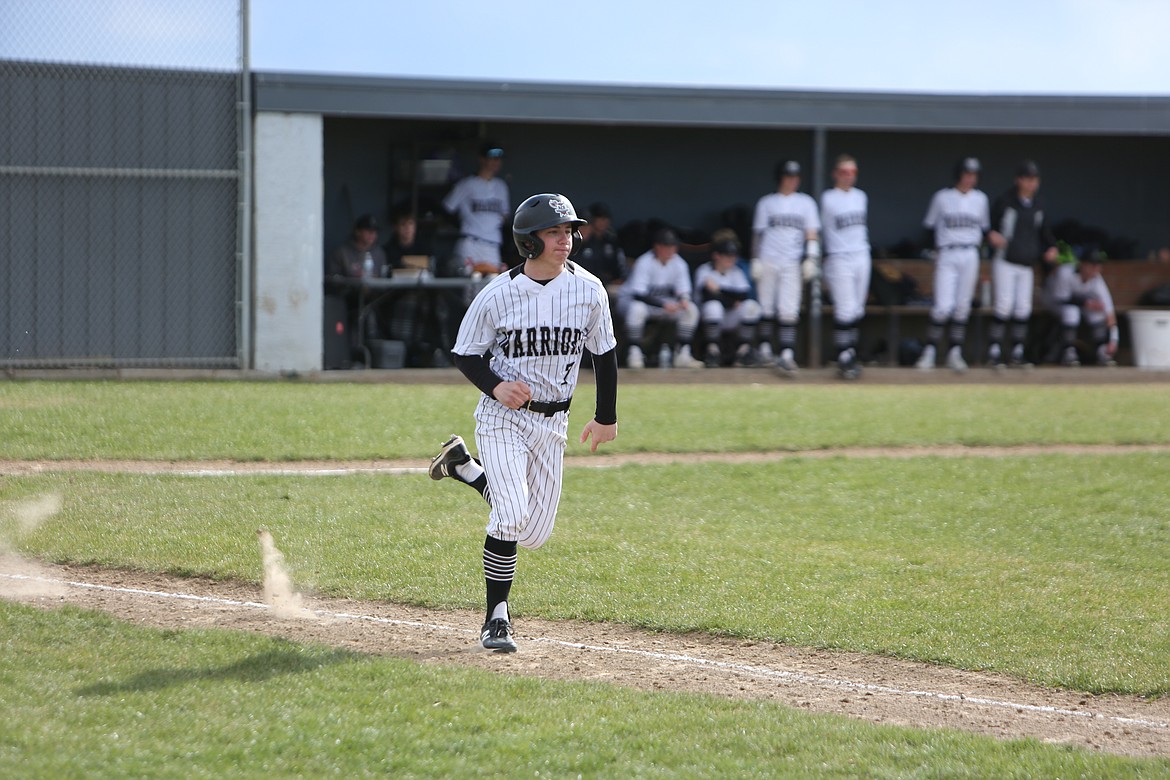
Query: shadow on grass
point(256, 668)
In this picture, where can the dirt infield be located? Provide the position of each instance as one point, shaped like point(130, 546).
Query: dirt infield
point(873, 688)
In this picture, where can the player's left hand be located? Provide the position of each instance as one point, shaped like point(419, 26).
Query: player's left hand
point(600, 433)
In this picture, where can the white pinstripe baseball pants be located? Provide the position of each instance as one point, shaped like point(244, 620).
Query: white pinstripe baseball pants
point(523, 457)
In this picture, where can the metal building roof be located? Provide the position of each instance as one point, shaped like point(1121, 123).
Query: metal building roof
point(516, 101)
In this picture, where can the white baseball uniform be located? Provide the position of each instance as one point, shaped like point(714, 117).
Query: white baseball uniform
point(783, 222)
point(1065, 294)
point(482, 207)
point(959, 220)
point(536, 333)
point(650, 283)
point(716, 312)
point(847, 265)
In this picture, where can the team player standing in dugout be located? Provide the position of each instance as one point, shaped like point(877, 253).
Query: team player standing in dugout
point(1022, 239)
point(848, 265)
point(958, 216)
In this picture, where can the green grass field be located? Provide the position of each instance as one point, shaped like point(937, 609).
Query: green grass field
point(1051, 568)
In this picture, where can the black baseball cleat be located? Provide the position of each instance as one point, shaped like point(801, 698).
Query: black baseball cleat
point(497, 636)
point(849, 368)
point(454, 453)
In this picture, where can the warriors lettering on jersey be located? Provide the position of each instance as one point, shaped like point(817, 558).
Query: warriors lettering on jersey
point(542, 341)
point(786, 220)
point(842, 221)
point(491, 206)
point(961, 221)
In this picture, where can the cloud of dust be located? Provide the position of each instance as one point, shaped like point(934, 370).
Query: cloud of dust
point(278, 588)
point(32, 578)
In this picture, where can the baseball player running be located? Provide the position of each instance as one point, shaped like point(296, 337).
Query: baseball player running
point(520, 343)
point(844, 216)
point(959, 217)
point(784, 229)
point(1021, 237)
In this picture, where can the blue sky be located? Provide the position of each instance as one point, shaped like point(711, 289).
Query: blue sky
point(997, 46)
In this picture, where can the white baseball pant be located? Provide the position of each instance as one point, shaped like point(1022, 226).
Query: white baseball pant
point(779, 287)
point(473, 251)
point(638, 313)
point(523, 456)
point(955, 273)
point(746, 313)
point(847, 277)
point(1012, 285)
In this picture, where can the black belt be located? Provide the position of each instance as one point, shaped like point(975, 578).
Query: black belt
point(480, 240)
point(547, 409)
point(960, 246)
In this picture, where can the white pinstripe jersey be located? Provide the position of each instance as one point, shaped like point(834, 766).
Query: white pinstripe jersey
point(844, 214)
point(535, 331)
point(482, 206)
point(958, 218)
point(783, 222)
point(650, 276)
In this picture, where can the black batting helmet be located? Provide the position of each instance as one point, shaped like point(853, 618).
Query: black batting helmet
point(539, 212)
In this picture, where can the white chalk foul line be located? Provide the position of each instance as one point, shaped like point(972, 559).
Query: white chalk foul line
point(758, 671)
point(279, 472)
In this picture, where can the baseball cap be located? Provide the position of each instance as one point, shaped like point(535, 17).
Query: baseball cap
point(599, 209)
point(788, 168)
point(1028, 168)
point(366, 222)
point(968, 165)
point(491, 149)
point(725, 247)
point(667, 237)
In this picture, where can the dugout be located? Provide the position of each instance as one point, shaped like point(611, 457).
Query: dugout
point(132, 239)
point(698, 158)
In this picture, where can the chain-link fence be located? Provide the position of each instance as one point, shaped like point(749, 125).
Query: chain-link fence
point(121, 183)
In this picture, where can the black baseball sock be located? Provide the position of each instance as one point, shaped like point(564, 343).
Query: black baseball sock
point(479, 482)
point(958, 333)
point(499, 567)
point(934, 332)
point(788, 335)
point(996, 332)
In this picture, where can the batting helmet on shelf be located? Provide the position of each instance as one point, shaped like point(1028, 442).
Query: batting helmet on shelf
point(539, 212)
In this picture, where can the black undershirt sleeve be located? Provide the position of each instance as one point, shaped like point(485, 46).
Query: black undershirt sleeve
point(605, 373)
point(478, 369)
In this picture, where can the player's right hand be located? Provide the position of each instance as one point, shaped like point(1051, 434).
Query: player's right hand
point(513, 394)
point(757, 269)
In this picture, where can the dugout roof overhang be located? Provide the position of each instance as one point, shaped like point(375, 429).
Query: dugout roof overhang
point(574, 103)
